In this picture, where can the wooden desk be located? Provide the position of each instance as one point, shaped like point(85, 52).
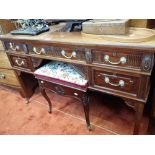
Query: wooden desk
point(120, 69)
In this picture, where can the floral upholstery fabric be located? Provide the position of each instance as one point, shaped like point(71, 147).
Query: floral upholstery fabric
point(62, 71)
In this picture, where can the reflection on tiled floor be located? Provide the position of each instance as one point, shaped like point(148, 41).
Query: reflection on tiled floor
point(108, 115)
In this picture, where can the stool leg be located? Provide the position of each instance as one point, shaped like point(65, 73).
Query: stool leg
point(85, 101)
point(43, 92)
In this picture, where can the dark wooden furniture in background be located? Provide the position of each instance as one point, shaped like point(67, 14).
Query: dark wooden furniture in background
point(8, 76)
point(120, 69)
point(145, 23)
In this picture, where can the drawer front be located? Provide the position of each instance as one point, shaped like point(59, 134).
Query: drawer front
point(118, 58)
point(114, 81)
point(21, 62)
point(58, 52)
point(14, 46)
point(8, 77)
point(4, 61)
point(61, 90)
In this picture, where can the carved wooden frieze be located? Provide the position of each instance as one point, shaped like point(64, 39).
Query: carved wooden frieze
point(147, 62)
point(88, 55)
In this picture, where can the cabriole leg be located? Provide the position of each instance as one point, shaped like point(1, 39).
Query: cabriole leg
point(43, 92)
point(85, 101)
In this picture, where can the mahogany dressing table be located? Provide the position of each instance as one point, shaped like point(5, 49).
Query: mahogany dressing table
point(119, 69)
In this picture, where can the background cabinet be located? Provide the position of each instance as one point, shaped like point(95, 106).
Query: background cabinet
point(8, 76)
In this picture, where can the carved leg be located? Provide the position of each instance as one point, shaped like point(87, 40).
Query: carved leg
point(43, 92)
point(85, 101)
point(139, 107)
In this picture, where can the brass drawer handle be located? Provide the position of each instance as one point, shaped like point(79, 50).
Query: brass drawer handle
point(19, 63)
point(121, 61)
point(120, 83)
point(2, 76)
point(14, 48)
point(68, 57)
point(42, 51)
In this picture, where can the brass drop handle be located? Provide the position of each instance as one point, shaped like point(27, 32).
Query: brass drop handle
point(42, 51)
point(121, 61)
point(19, 63)
point(63, 53)
point(2, 76)
point(14, 48)
point(120, 83)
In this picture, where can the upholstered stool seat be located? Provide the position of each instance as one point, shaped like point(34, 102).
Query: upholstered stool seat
point(64, 79)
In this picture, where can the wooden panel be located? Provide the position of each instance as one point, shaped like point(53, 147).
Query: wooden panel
point(60, 89)
point(145, 23)
point(6, 26)
point(1, 46)
point(114, 81)
point(22, 62)
point(8, 77)
point(58, 52)
point(4, 62)
point(118, 58)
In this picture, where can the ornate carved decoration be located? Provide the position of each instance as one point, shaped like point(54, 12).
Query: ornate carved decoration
point(59, 90)
point(88, 55)
point(147, 62)
point(130, 104)
point(25, 48)
point(85, 100)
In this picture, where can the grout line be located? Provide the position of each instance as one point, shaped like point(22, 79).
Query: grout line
point(101, 127)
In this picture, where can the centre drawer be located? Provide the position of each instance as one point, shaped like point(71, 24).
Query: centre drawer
point(111, 80)
point(61, 89)
point(68, 53)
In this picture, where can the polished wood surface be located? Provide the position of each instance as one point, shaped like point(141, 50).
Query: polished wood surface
point(119, 69)
point(76, 38)
point(1, 46)
point(9, 77)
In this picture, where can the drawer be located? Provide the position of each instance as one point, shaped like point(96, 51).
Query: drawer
point(8, 77)
point(14, 46)
point(60, 89)
point(58, 52)
point(4, 61)
point(22, 62)
point(118, 58)
point(117, 82)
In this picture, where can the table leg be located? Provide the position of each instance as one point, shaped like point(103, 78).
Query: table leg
point(85, 101)
point(139, 107)
point(43, 92)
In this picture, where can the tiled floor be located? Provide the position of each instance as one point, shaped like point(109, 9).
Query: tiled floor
point(108, 115)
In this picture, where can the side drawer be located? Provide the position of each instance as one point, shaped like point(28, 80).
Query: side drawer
point(60, 89)
point(15, 46)
point(22, 62)
point(124, 58)
point(113, 81)
point(8, 77)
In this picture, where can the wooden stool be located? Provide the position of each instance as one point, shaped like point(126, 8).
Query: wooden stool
point(62, 87)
